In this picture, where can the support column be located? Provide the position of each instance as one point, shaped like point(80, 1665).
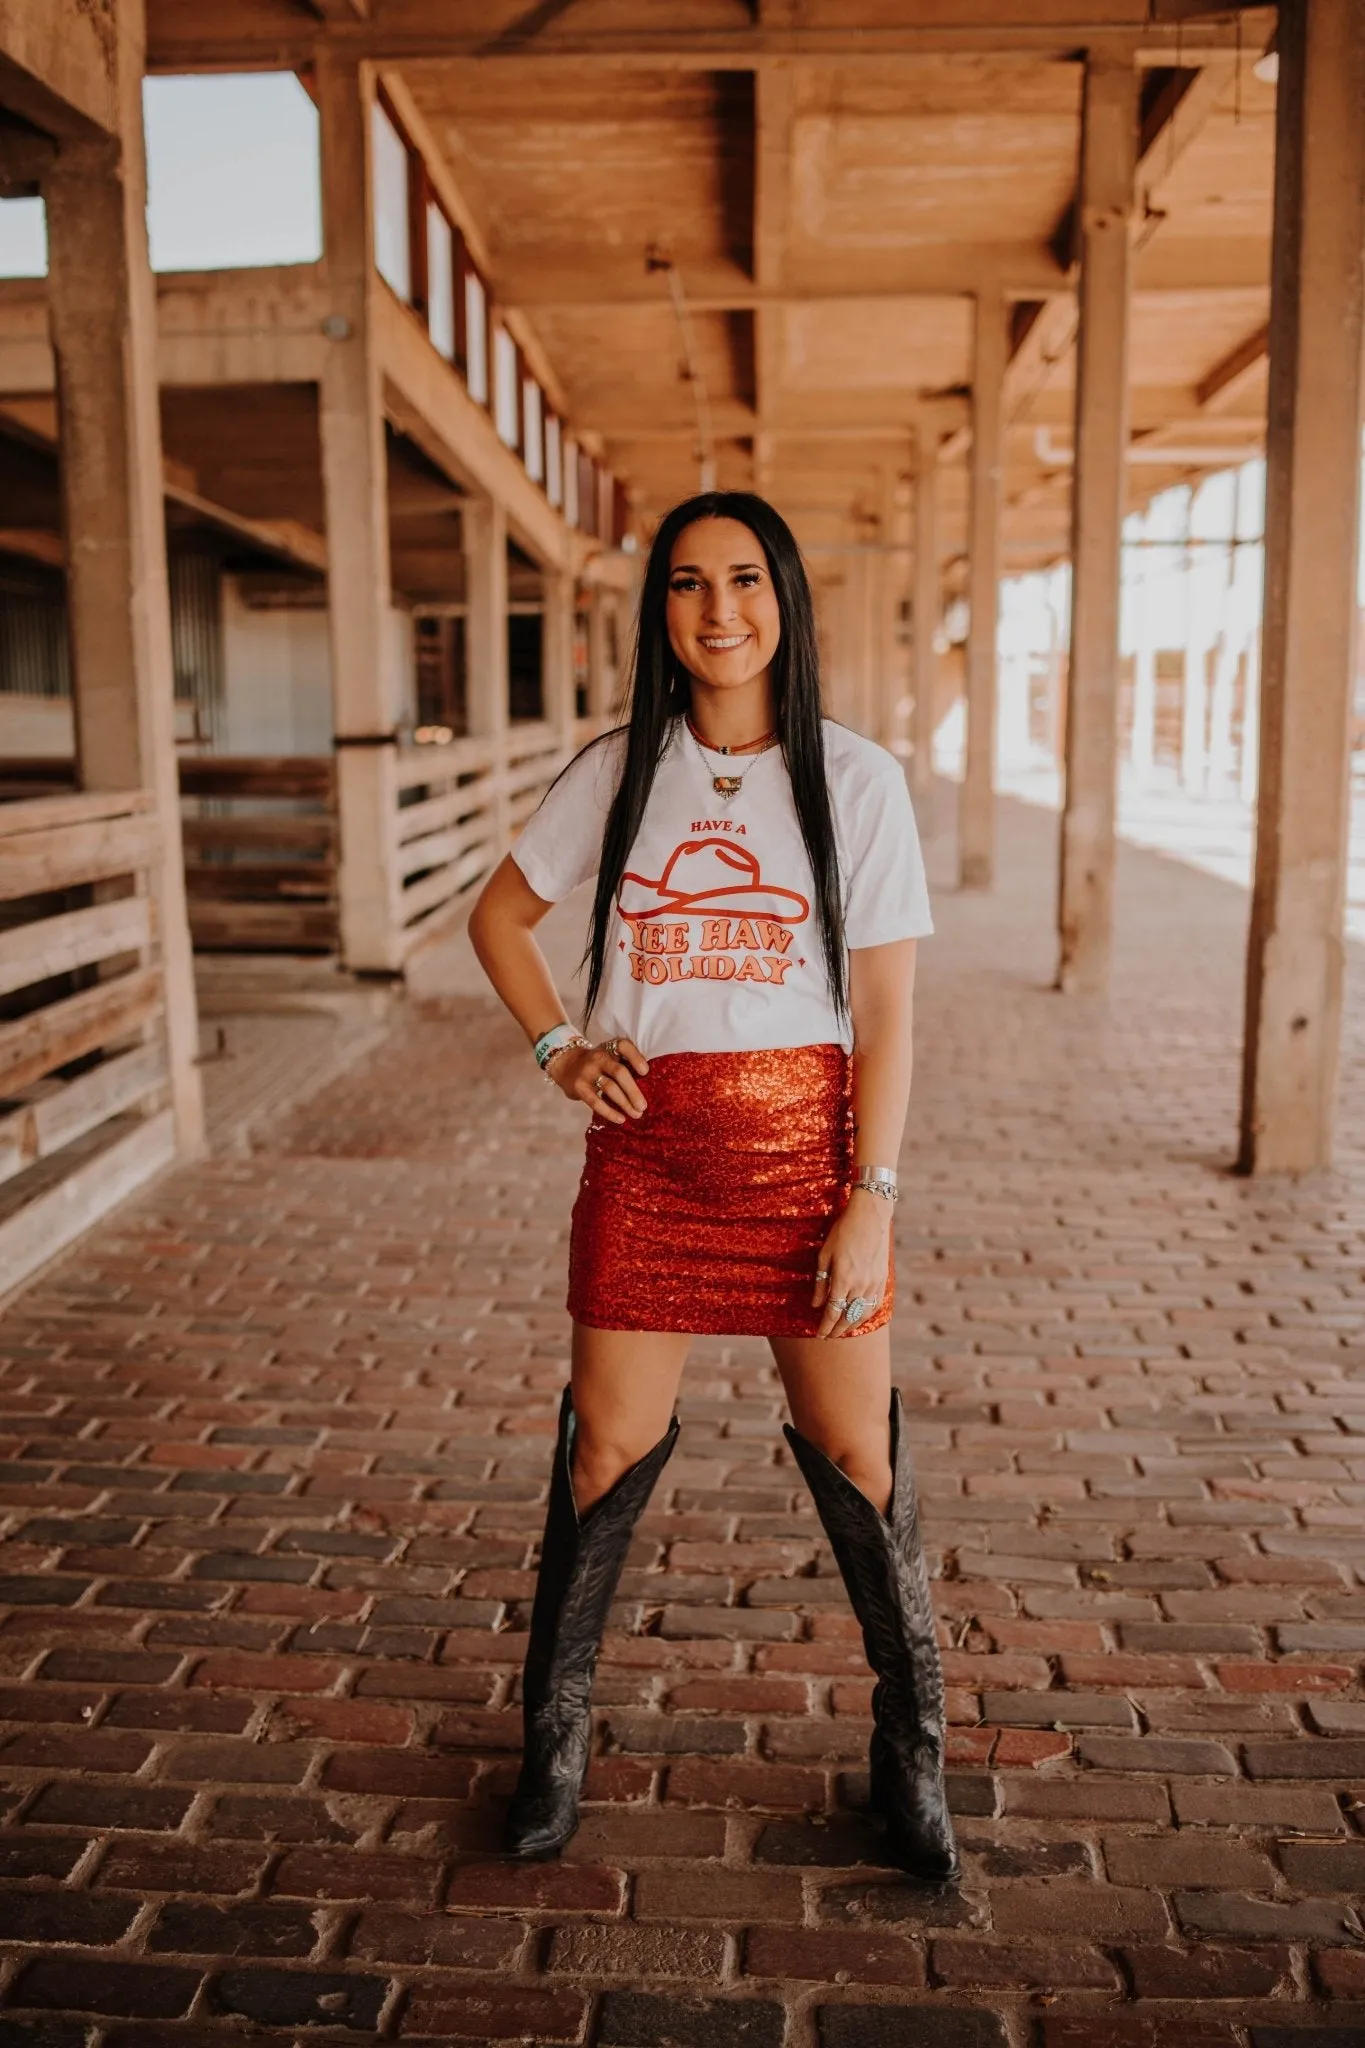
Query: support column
point(599, 688)
point(355, 492)
point(976, 803)
point(924, 618)
point(1108, 167)
point(890, 684)
point(102, 310)
point(556, 656)
point(485, 543)
point(1295, 954)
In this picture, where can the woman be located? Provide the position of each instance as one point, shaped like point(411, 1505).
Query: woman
point(759, 892)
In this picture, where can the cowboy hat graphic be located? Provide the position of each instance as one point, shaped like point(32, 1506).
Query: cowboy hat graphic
point(714, 877)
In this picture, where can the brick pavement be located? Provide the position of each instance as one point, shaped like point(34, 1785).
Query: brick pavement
point(274, 1445)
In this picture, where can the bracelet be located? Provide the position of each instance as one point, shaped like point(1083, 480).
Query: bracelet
point(554, 1040)
point(879, 1180)
point(569, 1045)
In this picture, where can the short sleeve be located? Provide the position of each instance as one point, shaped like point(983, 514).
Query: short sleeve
point(560, 845)
point(887, 896)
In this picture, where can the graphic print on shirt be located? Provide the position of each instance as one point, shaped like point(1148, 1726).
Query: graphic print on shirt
point(747, 925)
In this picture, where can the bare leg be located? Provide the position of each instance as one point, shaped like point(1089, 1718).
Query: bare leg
point(839, 1393)
point(625, 1383)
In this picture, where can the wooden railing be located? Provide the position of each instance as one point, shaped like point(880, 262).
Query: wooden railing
point(456, 808)
point(260, 852)
point(83, 1073)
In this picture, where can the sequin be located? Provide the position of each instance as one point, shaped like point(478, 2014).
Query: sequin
point(707, 1215)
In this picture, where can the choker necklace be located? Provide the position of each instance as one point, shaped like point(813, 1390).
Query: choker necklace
point(728, 786)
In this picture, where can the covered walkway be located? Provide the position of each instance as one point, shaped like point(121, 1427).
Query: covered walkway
point(275, 1443)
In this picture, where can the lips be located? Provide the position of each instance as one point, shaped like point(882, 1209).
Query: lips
point(725, 645)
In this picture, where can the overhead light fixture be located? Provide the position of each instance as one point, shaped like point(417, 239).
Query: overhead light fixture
point(1267, 65)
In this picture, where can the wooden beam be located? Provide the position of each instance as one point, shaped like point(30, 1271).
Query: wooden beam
point(1225, 383)
point(929, 269)
point(26, 154)
point(354, 478)
point(774, 109)
point(430, 30)
point(1295, 953)
point(976, 803)
point(1085, 896)
point(924, 613)
point(1176, 116)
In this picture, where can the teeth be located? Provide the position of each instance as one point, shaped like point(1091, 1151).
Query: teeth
point(719, 646)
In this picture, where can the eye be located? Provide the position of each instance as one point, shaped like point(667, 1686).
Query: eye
point(684, 584)
point(749, 579)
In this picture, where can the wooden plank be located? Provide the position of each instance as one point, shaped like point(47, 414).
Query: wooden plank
point(438, 849)
point(419, 765)
point(34, 862)
point(1227, 380)
point(287, 775)
point(38, 1129)
point(426, 895)
point(263, 927)
point(256, 833)
point(257, 880)
point(48, 813)
point(47, 1224)
point(34, 1045)
point(75, 938)
point(440, 811)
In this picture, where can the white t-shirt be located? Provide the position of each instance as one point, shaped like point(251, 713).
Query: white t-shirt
point(717, 945)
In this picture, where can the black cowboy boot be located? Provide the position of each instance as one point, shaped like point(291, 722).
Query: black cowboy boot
point(580, 1565)
point(881, 1558)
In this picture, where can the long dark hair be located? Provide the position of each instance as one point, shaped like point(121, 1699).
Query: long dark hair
point(660, 695)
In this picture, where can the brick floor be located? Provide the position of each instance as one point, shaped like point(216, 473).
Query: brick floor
point(274, 1445)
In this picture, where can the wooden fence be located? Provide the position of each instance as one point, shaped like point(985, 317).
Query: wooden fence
point(260, 852)
point(84, 1114)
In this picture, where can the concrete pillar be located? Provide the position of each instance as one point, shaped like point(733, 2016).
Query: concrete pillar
point(924, 618)
point(1108, 164)
point(102, 309)
point(976, 804)
point(484, 525)
point(1142, 739)
point(893, 581)
point(354, 482)
point(1294, 961)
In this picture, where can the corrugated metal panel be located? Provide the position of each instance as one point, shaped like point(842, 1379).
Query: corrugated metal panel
point(34, 661)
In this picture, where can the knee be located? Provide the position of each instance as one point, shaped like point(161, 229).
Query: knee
point(866, 1464)
point(600, 1458)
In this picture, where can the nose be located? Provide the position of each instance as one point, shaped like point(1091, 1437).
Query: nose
point(720, 605)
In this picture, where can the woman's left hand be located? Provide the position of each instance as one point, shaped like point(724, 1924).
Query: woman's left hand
point(854, 1263)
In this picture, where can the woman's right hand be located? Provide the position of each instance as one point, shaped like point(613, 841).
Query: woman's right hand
point(602, 1076)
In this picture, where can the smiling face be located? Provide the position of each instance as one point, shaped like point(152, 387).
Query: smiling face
point(722, 615)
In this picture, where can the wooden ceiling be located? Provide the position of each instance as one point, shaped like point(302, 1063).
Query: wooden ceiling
point(831, 181)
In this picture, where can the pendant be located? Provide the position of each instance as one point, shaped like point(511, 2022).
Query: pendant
point(727, 786)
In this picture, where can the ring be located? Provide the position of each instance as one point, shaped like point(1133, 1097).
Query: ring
point(600, 1083)
point(822, 1272)
point(838, 1306)
point(613, 1046)
point(857, 1310)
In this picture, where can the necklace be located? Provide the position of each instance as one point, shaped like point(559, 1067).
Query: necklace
point(727, 787)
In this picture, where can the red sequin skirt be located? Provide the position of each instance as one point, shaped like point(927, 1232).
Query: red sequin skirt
point(708, 1214)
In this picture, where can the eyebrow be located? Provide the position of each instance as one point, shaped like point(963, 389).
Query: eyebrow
point(691, 568)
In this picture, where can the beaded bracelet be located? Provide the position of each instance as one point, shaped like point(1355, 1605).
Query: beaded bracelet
point(556, 1039)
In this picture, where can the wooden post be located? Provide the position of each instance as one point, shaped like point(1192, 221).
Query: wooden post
point(1108, 162)
point(976, 811)
point(890, 685)
point(556, 655)
point(102, 309)
point(1295, 954)
point(484, 524)
point(925, 618)
point(354, 482)
point(600, 689)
